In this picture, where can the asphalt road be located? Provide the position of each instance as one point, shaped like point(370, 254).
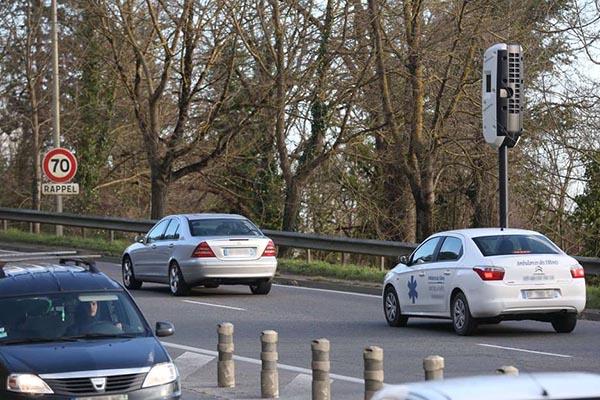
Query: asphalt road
point(351, 322)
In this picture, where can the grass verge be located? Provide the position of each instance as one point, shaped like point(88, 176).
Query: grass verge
point(105, 247)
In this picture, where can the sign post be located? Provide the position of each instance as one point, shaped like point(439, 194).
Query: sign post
point(502, 112)
point(60, 167)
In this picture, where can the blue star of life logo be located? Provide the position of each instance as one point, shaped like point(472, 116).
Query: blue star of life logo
point(412, 289)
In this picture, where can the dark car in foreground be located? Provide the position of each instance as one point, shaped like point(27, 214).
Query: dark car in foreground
point(70, 332)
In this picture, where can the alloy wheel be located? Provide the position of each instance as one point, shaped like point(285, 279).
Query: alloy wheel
point(459, 313)
point(391, 307)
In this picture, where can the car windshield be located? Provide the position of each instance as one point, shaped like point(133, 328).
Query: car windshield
point(223, 227)
point(68, 316)
point(514, 244)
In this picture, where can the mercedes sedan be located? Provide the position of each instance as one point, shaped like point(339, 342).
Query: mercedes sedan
point(207, 250)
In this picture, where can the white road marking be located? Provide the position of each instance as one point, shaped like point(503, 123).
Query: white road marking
point(190, 362)
point(330, 291)
point(524, 350)
point(213, 305)
point(298, 389)
point(284, 367)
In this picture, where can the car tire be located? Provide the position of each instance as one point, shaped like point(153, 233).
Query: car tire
point(177, 283)
point(564, 323)
point(462, 321)
point(391, 308)
point(128, 275)
point(261, 287)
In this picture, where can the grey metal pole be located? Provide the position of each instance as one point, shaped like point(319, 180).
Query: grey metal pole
point(434, 368)
point(269, 378)
point(373, 374)
point(503, 185)
point(56, 101)
point(321, 385)
point(225, 366)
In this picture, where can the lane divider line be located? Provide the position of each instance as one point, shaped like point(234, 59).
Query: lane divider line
point(524, 350)
point(254, 361)
point(213, 305)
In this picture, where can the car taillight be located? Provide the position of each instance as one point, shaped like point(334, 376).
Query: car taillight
point(270, 250)
point(490, 273)
point(577, 272)
point(203, 250)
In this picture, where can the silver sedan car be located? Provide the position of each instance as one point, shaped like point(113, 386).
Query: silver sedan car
point(207, 250)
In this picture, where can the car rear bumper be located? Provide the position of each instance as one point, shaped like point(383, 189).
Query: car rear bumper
point(496, 299)
point(201, 270)
point(170, 391)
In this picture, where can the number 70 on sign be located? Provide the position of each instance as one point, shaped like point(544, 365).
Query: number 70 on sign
point(60, 167)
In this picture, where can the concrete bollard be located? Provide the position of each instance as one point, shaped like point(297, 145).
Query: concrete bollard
point(321, 385)
point(373, 357)
point(269, 377)
point(508, 370)
point(434, 368)
point(225, 366)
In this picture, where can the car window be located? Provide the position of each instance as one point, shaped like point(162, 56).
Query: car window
point(62, 315)
point(172, 231)
point(501, 245)
point(223, 227)
point(157, 232)
point(425, 252)
point(451, 249)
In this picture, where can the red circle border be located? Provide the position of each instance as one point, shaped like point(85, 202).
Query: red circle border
point(67, 153)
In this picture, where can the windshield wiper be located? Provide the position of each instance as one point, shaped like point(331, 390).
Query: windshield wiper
point(37, 340)
point(103, 336)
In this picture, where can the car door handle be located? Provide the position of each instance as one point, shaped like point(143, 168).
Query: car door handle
point(447, 272)
point(421, 273)
point(171, 245)
point(153, 246)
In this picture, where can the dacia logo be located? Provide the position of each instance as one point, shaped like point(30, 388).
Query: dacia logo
point(99, 384)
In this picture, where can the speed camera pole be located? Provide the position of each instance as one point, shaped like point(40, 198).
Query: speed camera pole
point(503, 185)
point(56, 102)
point(502, 110)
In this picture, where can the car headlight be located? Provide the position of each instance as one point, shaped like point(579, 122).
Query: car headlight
point(161, 374)
point(27, 383)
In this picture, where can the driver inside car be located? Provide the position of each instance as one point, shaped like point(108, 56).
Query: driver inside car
point(88, 320)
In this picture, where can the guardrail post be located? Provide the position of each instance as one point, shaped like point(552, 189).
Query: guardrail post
point(308, 256)
point(269, 377)
point(382, 263)
point(111, 235)
point(4, 225)
point(373, 374)
point(225, 366)
point(321, 385)
point(434, 368)
point(508, 370)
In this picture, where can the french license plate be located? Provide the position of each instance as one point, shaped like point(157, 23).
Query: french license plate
point(540, 294)
point(239, 252)
point(113, 397)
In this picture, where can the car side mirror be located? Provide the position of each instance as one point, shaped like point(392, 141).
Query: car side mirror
point(403, 260)
point(164, 329)
point(139, 238)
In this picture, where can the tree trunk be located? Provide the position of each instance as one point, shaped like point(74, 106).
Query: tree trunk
point(160, 190)
point(292, 206)
point(424, 201)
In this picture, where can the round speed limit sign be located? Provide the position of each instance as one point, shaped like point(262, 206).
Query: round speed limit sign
point(59, 165)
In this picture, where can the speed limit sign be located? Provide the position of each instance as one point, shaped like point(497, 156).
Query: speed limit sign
point(59, 165)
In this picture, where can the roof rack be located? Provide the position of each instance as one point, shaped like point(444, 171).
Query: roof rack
point(63, 257)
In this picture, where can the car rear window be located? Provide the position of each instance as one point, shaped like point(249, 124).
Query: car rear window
point(501, 245)
point(223, 227)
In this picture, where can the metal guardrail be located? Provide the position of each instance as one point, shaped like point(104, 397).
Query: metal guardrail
point(281, 238)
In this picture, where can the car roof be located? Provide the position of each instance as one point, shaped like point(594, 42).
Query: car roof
point(27, 278)
point(477, 232)
point(207, 216)
point(561, 385)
